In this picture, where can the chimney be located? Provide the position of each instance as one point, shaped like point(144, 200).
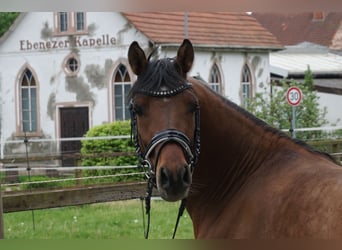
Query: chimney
point(318, 16)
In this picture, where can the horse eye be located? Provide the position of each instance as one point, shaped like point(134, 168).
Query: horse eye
point(138, 110)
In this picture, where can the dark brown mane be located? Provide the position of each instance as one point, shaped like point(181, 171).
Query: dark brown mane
point(160, 75)
point(266, 126)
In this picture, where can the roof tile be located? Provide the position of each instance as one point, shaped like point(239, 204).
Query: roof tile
point(222, 29)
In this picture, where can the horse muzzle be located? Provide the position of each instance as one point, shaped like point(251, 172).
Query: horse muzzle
point(173, 164)
point(173, 176)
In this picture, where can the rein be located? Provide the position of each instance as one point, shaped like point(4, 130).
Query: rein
point(191, 150)
point(150, 185)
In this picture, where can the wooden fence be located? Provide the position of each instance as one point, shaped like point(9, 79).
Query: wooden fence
point(31, 200)
point(333, 147)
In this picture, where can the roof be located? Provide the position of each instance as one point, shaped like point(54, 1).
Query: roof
point(290, 29)
point(321, 63)
point(325, 66)
point(219, 29)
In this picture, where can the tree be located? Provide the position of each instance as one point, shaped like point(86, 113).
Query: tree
point(6, 20)
point(273, 108)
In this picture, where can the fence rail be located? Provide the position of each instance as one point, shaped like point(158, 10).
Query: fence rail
point(30, 200)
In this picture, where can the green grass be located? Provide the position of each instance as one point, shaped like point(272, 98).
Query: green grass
point(112, 220)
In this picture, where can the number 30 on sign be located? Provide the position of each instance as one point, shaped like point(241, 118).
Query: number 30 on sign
point(294, 96)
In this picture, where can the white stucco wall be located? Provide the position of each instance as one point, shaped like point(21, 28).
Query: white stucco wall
point(230, 65)
point(17, 51)
point(332, 103)
point(47, 64)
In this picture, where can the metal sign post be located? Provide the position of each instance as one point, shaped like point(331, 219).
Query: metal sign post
point(293, 122)
point(294, 98)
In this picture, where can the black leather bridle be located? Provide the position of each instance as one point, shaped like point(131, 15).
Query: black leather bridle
point(190, 148)
point(162, 138)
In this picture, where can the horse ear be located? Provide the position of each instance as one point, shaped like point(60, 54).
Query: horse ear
point(137, 58)
point(185, 56)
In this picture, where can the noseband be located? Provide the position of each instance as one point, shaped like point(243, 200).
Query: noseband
point(162, 138)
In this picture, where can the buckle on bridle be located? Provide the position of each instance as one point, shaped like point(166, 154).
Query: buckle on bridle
point(147, 167)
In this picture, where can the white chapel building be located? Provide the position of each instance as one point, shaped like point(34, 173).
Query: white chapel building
point(62, 73)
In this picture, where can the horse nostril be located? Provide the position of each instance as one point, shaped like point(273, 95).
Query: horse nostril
point(186, 176)
point(181, 180)
point(164, 178)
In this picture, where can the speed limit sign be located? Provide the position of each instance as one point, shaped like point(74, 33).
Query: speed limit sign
point(294, 96)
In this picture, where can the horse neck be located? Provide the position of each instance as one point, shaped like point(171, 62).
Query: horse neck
point(233, 147)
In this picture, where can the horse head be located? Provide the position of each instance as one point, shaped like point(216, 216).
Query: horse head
point(165, 119)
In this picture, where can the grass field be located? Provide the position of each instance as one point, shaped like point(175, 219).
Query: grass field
point(112, 220)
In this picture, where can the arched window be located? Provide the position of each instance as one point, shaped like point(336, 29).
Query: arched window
point(28, 102)
point(215, 78)
point(246, 86)
point(122, 85)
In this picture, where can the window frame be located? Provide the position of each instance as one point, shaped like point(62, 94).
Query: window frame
point(72, 27)
point(246, 81)
point(215, 74)
point(33, 116)
point(77, 22)
point(63, 26)
point(123, 95)
point(66, 66)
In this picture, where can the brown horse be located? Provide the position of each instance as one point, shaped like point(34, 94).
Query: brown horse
point(250, 180)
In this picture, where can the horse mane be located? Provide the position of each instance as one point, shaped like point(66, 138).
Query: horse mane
point(266, 127)
point(160, 75)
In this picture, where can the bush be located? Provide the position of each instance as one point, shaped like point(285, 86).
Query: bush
point(273, 108)
point(91, 147)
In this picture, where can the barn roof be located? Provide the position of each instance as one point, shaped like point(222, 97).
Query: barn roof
point(206, 29)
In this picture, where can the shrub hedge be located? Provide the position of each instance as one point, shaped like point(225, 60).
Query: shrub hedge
point(90, 147)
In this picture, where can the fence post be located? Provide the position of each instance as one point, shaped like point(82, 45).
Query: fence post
point(2, 234)
point(78, 173)
point(336, 149)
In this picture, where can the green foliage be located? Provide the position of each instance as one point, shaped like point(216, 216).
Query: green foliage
point(93, 147)
point(6, 20)
point(274, 109)
point(308, 79)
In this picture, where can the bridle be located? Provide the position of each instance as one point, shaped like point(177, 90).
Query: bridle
point(162, 138)
point(191, 149)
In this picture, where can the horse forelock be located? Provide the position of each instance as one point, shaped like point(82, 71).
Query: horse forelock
point(160, 76)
